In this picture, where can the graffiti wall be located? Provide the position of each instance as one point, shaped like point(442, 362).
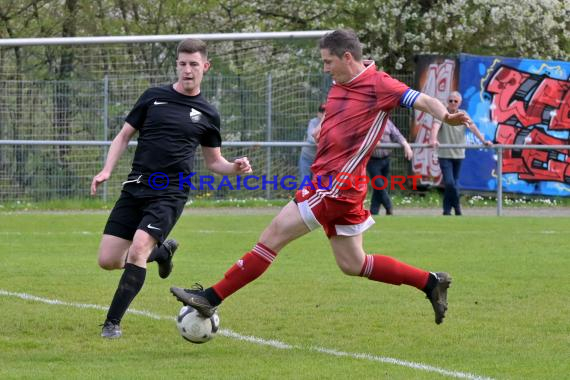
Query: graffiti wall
point(512, 101)
point(437, 76)
point(518, 101)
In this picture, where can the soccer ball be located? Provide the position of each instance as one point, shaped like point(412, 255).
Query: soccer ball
point(196, 328)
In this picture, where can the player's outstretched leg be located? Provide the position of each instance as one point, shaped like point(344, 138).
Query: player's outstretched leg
point(245, 270)
point(391, 271)
point(163, 256)
point(165, 264)
point(438, 295)
point(197, 297)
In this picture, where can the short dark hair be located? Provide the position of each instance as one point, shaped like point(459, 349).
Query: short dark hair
point(192, 45)
point(341, 41)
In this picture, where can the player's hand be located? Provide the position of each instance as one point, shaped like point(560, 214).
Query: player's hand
point(457, 118)
point(242, 165)
point(434, 143)
point(97, 180)
point(487, 143)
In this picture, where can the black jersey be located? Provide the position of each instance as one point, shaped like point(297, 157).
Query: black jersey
point(171, 125)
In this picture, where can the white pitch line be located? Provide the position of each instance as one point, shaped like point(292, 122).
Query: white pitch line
point(253, 339)
point(272, 343)
point(403, 363)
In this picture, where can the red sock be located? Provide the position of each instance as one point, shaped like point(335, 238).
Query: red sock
point(247, 269)
point(389, 270)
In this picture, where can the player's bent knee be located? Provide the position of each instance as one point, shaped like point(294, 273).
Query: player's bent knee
point(109, 264)
point(137, 256)
point(139, 252)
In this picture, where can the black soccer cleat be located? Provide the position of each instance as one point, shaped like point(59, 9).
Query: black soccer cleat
point(111, 330)
point(165, 267)
point(194, 297)
point(438, 296)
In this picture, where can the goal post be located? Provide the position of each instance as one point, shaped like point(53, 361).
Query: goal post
point(103, 40)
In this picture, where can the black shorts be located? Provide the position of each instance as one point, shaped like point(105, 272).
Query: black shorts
point(140, 208)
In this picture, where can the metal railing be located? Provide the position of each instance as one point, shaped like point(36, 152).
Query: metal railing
point(499, 148)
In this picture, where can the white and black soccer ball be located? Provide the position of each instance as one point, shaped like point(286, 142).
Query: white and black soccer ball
point(196, 328)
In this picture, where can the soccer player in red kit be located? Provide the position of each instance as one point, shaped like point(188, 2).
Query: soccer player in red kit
point(356, 111)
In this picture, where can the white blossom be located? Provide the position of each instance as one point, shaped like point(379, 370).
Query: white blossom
point(530, 28)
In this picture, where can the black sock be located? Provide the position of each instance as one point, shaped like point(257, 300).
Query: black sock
point(212, 297)
point(130, 284)
point(431, 283)
point(158, 254)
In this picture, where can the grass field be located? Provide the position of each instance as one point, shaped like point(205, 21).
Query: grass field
point(508, 317)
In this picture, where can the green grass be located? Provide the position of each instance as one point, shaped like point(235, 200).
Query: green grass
point(99, 204)
point(508, 316)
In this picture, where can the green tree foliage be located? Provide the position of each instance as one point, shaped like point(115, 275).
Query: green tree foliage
point(393, 31)
point(396, 30)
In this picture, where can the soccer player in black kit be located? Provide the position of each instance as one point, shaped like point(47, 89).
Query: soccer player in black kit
point(172, 121)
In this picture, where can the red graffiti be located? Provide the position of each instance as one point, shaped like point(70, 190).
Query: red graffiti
point(526, 107)
point(534, 164)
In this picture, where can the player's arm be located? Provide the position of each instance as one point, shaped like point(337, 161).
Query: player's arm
point(116, 150)
point(434, 107)
point(473, 128)
point(216, 163)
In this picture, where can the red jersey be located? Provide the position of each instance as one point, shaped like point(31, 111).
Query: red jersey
point(355, 115)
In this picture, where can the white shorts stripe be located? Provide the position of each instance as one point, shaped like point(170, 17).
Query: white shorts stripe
point(354, 229)
point(307, 215)
point(316, 198)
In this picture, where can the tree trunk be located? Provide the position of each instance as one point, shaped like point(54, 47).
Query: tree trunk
point(62, 95)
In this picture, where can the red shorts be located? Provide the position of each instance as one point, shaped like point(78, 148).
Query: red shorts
point(338, 216)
